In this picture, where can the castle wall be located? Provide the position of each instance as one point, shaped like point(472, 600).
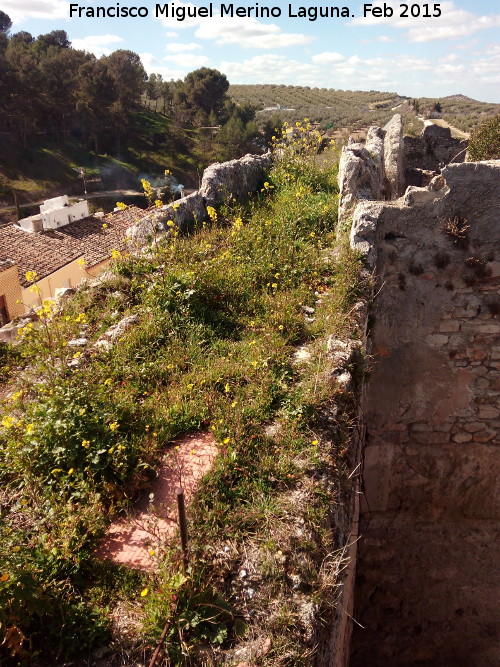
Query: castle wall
point(428, 584)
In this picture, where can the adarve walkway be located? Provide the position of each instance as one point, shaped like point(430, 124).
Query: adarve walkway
point(131, 540)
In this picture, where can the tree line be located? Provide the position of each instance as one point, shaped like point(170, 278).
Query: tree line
point(47, 87)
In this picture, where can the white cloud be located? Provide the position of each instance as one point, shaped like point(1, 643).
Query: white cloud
point(172, 35)
point(449, 58)
point(270, 68)
point(153, 66)
point(99, 45)
point(188, 60)
point(327, 57)
point(177, 47)
point(248, 33)
point(452, 24)
point(19, 10)
point(385, 39)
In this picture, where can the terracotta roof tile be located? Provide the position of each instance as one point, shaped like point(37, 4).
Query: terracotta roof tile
point(50, 250)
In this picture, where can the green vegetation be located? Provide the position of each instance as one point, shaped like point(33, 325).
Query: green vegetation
point(484, 143)
point(220, 311)
point(352, 110)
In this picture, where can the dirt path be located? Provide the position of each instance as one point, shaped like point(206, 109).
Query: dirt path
point(454, 130)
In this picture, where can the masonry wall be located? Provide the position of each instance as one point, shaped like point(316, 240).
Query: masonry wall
point(428, 584)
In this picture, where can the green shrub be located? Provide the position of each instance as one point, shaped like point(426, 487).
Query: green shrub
point(484, 143)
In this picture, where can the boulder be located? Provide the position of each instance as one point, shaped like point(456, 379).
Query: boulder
point(236, 178)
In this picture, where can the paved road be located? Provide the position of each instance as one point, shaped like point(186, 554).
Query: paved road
point(91, 195)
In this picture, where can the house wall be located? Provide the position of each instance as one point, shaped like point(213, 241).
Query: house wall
point(68, 276)
point(54, 218)
point(10, 288)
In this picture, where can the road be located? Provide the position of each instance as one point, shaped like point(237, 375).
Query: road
point(92, 195)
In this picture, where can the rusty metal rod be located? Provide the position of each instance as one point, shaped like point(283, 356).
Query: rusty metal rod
point(182, 525)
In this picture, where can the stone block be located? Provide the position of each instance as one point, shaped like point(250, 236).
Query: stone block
point(434, 437)
point(484, 436)
point(488, 412)
point(461, 437)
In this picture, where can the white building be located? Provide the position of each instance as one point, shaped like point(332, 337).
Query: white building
point(55, 213)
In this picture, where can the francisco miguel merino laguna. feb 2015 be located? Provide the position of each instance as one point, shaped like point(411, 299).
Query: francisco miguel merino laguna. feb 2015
point(182, 12)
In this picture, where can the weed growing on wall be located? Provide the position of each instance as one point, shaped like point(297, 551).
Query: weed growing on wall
point(220, 312)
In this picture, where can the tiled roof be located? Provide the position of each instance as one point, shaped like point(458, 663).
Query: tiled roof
point(5, 264)
point(50, 250)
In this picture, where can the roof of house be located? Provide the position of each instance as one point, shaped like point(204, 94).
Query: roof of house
point(45, 252)
point(5, 264)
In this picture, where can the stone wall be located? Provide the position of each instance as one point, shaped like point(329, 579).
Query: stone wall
point(373, 170)
point(428, 586)
point(431, 152)
point(221, 181)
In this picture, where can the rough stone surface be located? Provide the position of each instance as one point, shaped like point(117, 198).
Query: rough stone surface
point(373, 171)
point(236, 178)
point(429, 585)
point(359, 178)
point(114, 332)
point(432, 151)
point(393, 157)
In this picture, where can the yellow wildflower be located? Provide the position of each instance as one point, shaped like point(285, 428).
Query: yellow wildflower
point(7, 421)
point(113, 426)
point(121, 205)
point(29, 429)
point(31, 276)
point(144, 592)
point(212, 213)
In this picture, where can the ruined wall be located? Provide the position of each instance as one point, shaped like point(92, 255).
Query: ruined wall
point(430, 152)
point(373, 170)
point(428, 584)
point(221, 182)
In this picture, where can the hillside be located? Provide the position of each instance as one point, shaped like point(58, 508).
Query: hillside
point(336, 109)
point(46, 168)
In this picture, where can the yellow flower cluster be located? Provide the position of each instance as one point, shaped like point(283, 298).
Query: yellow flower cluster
point(212, 213)
point(31, 276)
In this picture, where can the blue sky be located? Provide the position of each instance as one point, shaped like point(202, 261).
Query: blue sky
point(458, 52)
